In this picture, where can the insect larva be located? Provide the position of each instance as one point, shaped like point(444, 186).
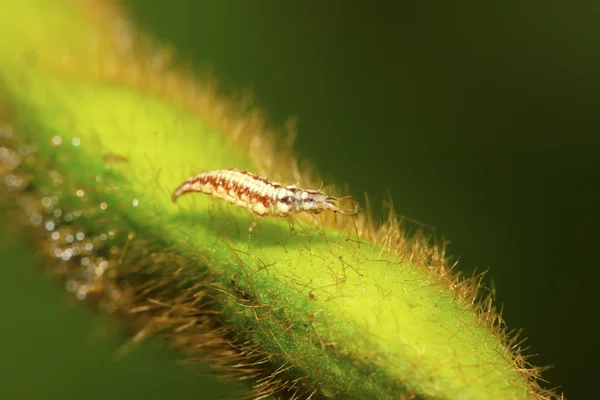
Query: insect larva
point(261, 196)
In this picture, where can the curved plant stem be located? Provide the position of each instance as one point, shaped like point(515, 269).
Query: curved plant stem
point(100, 129)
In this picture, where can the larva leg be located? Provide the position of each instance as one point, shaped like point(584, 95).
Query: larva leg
point(293, 231)
point(318, 228)
point(316, 223)
point(253, 225)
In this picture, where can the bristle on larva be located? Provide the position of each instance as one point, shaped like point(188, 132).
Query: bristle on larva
point(261, 196)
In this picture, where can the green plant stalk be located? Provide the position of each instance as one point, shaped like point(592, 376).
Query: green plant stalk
point(95, 156)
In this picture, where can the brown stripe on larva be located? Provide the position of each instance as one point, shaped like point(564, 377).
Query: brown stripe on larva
point(234, 184)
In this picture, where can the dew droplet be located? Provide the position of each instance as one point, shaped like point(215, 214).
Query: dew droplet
point(11, 180)
point(66, 255)
point(81, 293)
point(36, 219)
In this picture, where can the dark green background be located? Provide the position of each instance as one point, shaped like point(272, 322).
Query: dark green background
point(482, 120)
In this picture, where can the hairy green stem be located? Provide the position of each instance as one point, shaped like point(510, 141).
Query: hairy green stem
point(93, 151)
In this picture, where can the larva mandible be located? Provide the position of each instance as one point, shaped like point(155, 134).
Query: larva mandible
point(261, 196)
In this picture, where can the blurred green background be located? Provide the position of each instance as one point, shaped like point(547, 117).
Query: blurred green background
point(482, 120)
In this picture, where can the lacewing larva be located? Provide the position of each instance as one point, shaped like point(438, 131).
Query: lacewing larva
point(261, 196)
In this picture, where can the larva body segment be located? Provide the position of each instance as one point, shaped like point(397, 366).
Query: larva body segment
point(258, 194)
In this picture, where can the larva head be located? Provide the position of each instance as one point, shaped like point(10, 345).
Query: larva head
point(316, 202)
